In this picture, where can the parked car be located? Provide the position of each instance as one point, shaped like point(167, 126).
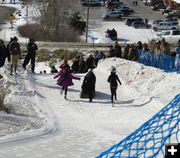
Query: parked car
point(131, 20)
point(125, 8)
point(173, 19)
point(113, 15)
point(165, 26)
point(92, 3)
point(170, 36)
point(157, 21)
point(159, 6)
point(111, 4)
point(140, 24)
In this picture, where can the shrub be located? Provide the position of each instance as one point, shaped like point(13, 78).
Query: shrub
point(32, 30)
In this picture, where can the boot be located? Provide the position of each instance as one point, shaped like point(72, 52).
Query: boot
point(11, 69)
point(15, 68)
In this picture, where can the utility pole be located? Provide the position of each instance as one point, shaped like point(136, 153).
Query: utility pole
point(87, 23)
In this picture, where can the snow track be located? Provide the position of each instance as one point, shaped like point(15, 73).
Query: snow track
point(76, 128)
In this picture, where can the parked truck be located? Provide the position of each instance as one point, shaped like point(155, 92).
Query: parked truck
point(171, 36)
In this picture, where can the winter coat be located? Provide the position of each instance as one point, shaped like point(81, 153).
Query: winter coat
point(14, 48)
point(82, 67)
point(65, 78)
point(112, 79)
point(89, 82)
point(3, 54)
point(117, 51)
point(32, 48)
point(89, 63)
point(75, 66)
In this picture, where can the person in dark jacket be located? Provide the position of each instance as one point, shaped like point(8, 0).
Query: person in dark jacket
point(113, 79)
point(31, 54)
point(8, 51)
point(88, 86)
point(53, 69)
point(75, 65)
point(82, 66)
point(3, 53)
point(117, 50)
point(15, 52)
point(89, 62)
point(126, 51)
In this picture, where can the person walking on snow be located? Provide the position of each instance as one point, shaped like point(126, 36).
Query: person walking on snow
point(14, 49)
point(31, 54)
point(65, 78)
point(112, 79)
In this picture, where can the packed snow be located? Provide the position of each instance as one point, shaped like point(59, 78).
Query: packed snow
point(41, 123)
point(75, 127)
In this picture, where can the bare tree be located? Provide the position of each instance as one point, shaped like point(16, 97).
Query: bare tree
point(55, 18)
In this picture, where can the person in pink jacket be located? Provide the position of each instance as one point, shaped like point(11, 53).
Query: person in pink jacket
point(65, 78)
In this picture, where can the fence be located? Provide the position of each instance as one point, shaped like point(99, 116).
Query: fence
point(149, 139)
point(159, 60)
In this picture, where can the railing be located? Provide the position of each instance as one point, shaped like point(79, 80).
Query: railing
point(159, 60)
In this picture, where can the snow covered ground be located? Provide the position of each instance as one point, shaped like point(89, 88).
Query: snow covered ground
point(42, 124)
point(74, 127)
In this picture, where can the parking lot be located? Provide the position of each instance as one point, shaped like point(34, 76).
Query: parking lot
point(141, 10)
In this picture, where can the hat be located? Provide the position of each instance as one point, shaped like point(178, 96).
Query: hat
point(32, 40)
point(66, 66)
point(113, 69)
point(15, 38)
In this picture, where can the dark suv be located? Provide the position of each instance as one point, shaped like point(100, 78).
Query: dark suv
point(140, 24)
point(131, 20)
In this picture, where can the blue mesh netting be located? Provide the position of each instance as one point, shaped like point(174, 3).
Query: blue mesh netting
point(149, 140)
point(159, 60)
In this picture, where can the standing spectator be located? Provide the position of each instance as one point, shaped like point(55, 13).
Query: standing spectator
point(8, 51)
point(139, 45)
point(126, 51)
point(65, 79)
point(89, 62)
point(31, 54)
point(117, 50)
point(177, 59)
point(133, 53)
point(82, 66)
point(88, 86)
point(113, 79)
point(110, 52)
point(75, 65)
point(14, 48)
point(3, 53)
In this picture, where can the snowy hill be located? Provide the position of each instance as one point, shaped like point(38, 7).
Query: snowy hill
point(75, 127)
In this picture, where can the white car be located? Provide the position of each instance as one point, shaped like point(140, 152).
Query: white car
point(113, 15)
point(165, 26)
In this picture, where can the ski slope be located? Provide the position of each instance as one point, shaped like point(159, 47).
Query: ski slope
point(74, 127)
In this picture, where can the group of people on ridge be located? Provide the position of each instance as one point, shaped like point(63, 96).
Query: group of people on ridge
point(13, 53)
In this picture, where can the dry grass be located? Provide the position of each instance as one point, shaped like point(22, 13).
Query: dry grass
point(60, 54)
point(43, 55)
